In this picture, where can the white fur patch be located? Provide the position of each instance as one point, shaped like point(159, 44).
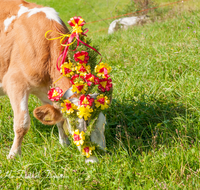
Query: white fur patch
point(23, 103)
point(24, 107)
point(8, 21)
point(22, 10)
point(51, 14)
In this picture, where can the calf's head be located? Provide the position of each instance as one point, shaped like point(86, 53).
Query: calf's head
point(87, 132)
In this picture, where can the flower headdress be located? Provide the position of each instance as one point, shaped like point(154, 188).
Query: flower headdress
point(87, 77)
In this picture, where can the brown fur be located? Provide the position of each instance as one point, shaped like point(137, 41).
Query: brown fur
point(27, 62)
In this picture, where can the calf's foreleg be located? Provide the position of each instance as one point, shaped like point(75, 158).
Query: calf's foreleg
point(17, 91)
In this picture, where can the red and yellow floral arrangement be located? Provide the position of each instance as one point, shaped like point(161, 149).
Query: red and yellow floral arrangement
point(87, 76)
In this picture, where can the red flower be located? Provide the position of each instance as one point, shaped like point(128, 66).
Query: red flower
point(102, 70)
point(55, 94)
point(77, 137)
point(87, 149)
point(91, 79)
point(105, 84)
point(81, 57)
point(76, 76)
point(76, 20)
point(86, 100)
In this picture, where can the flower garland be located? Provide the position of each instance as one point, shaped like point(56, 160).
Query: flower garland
point(87, 77)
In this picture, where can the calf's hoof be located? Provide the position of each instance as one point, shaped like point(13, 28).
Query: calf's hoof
point(14, 154)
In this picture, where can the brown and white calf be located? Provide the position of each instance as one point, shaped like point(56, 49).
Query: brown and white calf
point(28, 66)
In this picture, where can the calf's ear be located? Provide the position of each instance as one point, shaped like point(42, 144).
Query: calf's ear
point(47, 114)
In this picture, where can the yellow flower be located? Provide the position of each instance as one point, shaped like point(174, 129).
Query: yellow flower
point(79, 87)
point(77, 29)
point(55, 93)
point(102, 70)
point(83, 69)
point(84, 112)
point(78, 137)
point(67, 69)
point(102, 101)
point(68, 107)
point(87, 151)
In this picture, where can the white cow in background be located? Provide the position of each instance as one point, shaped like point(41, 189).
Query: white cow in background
point(124, 23)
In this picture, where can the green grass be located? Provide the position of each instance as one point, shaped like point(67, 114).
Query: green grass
point(153, 125)
point(90, 10)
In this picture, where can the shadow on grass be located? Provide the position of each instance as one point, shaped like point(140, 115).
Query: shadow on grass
point(148, 123)
point(143, 124)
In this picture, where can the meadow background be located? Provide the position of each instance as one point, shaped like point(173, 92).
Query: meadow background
point(153, 125)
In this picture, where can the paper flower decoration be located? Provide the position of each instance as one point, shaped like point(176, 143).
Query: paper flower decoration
point(81, 57)
point(84, 72)
point(76, 78)
point(102, 101)
point(79, 87)
point(76, 23)
point(86, 100)
point(76, 20)
point(102, 70)
point(91, 79)
point(67, 69)
point(78, 137)
point(82, 69)
point(84, 112)
point(87, 151)
point(55, 94)
point(105, 84)
point(68, 107)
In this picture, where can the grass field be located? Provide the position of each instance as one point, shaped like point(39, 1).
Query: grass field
point(153, 125)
